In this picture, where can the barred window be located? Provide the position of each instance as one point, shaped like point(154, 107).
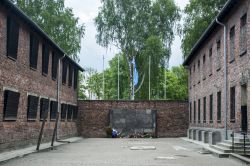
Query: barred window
point(69, 113)
point(45, 59)
point(218, 55)
point(232, 104)
point(75, 78)
point(210, 61)
point(53, 109)
point(211, 108)
point(44, 108)
point(199, 111)
point(219, 107)
point(204, 67)
point(64, 71)
point(232, 44)
point(204, 110)
point(243, 34)
point(32, 107)
point(11, 102)
point(12, 37)
point(34, 43)
point(54, 65)
point(64, 108)
point(190, 112)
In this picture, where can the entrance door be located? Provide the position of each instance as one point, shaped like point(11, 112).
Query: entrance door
point(244, 120)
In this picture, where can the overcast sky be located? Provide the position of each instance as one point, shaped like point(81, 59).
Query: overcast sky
point(91, 53)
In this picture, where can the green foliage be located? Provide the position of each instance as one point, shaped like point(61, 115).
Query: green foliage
point(199, 14)
point(129, 24)
point(57, 21)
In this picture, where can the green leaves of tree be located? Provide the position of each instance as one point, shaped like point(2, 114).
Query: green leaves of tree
point(57, 21)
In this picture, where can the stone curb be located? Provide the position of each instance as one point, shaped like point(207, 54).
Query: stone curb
point(6, 156)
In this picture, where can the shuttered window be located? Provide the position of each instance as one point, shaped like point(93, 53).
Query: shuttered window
point(232, 104)
point(219, 107)
point(70, 75)
point(232, 44)
point(34, 42)
point(32, 107)
point(53, 110)
point(64, 71)
point(75, 78)
point(64, 108)
point(243, 34)
point(54, 65)
point(75, 112)
point(44, 108)
point(45, 59)
point(211, 108)
point(12, 37)
point(69, 113)
point(11, 101)
point(204, 110)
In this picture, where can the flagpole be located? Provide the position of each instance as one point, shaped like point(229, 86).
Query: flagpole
point(103, 85)
point(118, 81)
point(149, 77)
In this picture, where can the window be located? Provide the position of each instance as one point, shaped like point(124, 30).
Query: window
point(218, 55)
point(45, 59)
point(32, 107)
point(190, 112)
point(204, 67)
point(64, 108)
point(232, 44)
point(11, 101)
point(64, 71)
point(219, 107)
point(232, 104)
point(75, 78)
point(44, 108)
point(53, 110)
point(204, 110)
point(12, 37)
point(204, 58)
point(54, 65)
point(70, 75)
point(194, 112)
point(33, 51)
point(243, 34)
point(69, 113)
point(210, 61)
point(211, 108)
point(199, 111)
point(75, 112)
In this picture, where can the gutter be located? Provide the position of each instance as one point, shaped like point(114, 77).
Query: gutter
point(55, 135)
point(225, 77)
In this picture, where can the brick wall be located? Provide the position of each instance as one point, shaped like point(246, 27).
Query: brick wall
point(16, 74)
point(172, 116)
point(238, 71)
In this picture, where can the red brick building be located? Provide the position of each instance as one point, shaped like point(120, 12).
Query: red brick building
point(30, 77)
point(219, 73)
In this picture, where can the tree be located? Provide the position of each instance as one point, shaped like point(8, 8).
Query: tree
point(57, 21)
point(128, 24)
point(199, 14)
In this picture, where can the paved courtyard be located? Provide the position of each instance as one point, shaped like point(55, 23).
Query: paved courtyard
point(117, 152)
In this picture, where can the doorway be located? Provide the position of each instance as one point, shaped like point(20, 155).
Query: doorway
point(244, 120)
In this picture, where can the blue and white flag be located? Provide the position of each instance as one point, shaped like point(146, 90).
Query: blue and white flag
point(136, 76)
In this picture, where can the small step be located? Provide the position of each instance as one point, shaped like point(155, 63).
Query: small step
point(217, 153)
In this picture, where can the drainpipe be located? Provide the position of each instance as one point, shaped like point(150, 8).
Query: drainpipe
point(58, 100)
point(225, 75)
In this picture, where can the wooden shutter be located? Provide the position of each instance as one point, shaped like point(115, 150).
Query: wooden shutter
point(32, 107)
point(12, 37)
point(44, 107)
point(11, 101)
point(33, 51)
point(54, 65)
point(70, 75)
point(45, 59)
point(64, 108)
point(53, 110)
point(75, 112)
point(69, 113)
point(64, 71)
point(75, 78)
